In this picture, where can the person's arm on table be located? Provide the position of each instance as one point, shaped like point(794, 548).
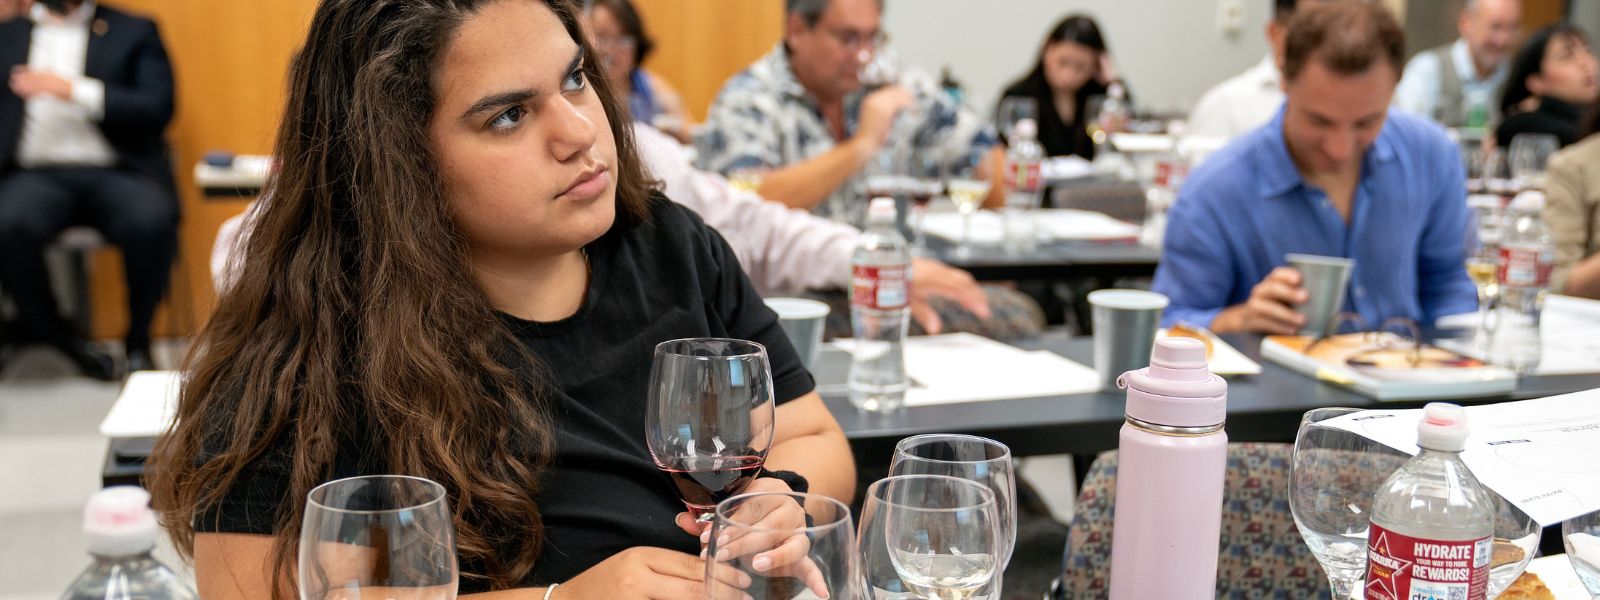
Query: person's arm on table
point(807, 183)
point(231, 566)
point(1196, 274)
point(810, 442)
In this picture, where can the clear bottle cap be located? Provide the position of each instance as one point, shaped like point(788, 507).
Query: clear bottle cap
point(118, 522)
point(1443, 427)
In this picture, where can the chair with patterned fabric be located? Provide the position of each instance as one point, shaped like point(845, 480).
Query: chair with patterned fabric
point(1261, 554)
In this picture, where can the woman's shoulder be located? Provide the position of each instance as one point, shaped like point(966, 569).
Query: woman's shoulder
point(671, 228)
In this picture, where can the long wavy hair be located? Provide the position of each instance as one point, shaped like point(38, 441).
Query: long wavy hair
point(354, 312)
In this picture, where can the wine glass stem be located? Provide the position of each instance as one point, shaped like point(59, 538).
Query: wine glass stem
point(1343, 589)
point(918, 214)
point(966, 229)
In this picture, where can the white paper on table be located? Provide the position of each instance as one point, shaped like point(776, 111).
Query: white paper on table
point(1569, 334)
point(1142, 142)
point(961, 367)
point(1064, 168)
point(148, 402)
point(1541, 455)
point(1225, 359)
point(1557, 574)
point(988, 228)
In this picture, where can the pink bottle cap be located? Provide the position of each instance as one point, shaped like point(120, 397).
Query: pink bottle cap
point(1176, 390)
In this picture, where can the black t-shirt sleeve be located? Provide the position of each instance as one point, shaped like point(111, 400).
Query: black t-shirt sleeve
point(747, 317)
point(254, 500)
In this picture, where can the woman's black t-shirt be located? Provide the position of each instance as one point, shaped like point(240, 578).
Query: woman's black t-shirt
point(672, 277)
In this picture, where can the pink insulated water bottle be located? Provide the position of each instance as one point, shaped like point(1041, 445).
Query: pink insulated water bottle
point(1173, 458)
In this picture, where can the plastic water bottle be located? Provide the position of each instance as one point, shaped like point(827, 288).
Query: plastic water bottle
point(1432, 531)
point(1023, 169)
point(1170, 171)
point(879, 311)
point(1171, 466)
point(1527, 255)
point(122, 532)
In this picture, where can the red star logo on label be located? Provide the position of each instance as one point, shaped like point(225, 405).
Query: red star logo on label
point(1378, 587)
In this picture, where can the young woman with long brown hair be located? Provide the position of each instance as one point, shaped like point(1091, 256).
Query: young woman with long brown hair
point(460, 275)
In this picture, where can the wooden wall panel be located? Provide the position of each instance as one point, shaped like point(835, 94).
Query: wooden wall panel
point(701, 43)
point(230, 58)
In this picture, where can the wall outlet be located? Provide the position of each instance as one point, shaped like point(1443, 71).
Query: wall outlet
point(1230, 16)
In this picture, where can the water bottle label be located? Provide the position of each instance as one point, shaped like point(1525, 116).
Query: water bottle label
point(1024, 176)
point(879, 287)
point(1523, 266)
point(1401, 567)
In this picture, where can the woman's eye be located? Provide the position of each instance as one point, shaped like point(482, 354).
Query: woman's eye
point(508, 119)
point(575, 81)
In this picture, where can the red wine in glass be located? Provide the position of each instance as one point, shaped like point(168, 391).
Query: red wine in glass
point(705, 481)
point(710, 417)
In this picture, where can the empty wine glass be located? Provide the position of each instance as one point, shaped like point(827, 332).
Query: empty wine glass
point(710, 417)
point(931, 537)
point(765, 550)
point(380, 536)
point(1529, 154)
point(968, 457)
point(1581, 536)
point(924, 181)
point(1516, 538)
point(1013, 109)
point(1331, 486)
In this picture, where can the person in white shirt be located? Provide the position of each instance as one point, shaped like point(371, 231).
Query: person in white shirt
point(82, 142)
point(1456, 84)
point(1250, 99)
point(784, 251)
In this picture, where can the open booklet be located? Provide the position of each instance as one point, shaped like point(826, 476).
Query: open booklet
point(1387, 366)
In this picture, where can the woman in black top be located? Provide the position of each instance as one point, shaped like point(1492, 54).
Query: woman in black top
point(1073, 66)
point(461, 275)
point(1552, 78)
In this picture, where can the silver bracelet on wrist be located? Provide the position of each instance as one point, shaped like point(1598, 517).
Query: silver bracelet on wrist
point(550, 590)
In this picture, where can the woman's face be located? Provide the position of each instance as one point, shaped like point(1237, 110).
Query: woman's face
point(1069, 65)
point(1567, 73)
point(612, 42)
point(523, 147)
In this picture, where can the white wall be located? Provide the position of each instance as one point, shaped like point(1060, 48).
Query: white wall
point(1169, 51)
point(1586, 13)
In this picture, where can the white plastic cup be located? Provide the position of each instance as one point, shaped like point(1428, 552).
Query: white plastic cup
point(803, 320)
point(1125, 323)
point(1324, 279)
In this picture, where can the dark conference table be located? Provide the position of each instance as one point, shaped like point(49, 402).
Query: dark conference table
point(1058, 260)
point(1261, 408)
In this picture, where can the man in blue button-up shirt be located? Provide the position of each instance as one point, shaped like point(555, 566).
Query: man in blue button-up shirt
point(1336, 173)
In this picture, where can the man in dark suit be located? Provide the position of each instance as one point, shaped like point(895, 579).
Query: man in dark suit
point(82, 141)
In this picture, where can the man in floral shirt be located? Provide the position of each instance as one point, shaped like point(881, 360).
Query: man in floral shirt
point(801, 119)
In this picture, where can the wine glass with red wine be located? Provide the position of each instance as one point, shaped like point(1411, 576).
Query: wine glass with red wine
point(710, 417)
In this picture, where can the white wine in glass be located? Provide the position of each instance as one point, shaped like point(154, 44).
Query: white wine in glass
point(931, 537)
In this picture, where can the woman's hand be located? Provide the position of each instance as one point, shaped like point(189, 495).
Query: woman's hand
point(643, 573)
point(769, 544)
